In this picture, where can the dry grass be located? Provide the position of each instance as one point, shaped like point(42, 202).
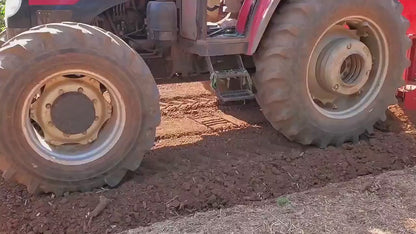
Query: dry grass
point(380, 205)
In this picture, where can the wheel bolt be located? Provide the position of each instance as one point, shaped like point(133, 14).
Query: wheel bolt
point(48, 106)
point(61, 91)
point(50, 123)
point(80, 90)
point(349, 46)
point(336, 87)
point(96, 118)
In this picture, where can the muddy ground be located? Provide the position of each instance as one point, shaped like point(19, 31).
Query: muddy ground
point(207, 158)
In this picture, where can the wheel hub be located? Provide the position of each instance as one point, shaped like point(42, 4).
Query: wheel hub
point(344, 66)
point(73, 113)
point(71, 110)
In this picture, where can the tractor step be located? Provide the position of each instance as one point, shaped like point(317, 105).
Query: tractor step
point(229, 78)
point(238, 95)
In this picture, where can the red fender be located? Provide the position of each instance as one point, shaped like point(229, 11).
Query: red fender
point(244, 15)
point(52, 2)
point(410, 13)
point(264, 11)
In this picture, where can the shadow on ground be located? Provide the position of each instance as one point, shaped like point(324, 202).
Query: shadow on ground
point(197, 173)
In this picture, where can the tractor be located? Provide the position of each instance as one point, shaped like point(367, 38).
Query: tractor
point(79, 101)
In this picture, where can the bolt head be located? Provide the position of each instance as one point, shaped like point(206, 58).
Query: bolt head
point(336, 87)
point(48, 106)
point(80, 90)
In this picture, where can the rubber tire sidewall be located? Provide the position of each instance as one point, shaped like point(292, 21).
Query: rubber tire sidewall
point(31, 73)
point(324, 14)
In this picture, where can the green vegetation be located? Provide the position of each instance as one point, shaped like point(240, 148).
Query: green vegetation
point(2, 8)
point(283, 201)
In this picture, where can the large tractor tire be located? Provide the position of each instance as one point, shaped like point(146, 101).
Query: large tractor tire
point(328, 69)
point(79, 108)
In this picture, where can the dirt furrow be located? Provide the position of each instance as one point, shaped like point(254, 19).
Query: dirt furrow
point(207, 159)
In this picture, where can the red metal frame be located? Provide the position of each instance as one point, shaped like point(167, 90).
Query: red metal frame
point(262, 8)
point(410, 13)
point(243, 16)
point(52, 2)
point(408, 92)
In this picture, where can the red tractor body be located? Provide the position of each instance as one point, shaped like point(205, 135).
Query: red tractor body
point(408, 92)
point(410, 13)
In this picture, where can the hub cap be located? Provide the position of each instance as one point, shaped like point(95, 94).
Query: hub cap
point(347, 67)
point(344, 66)
point(71, 111)
point(73, 117)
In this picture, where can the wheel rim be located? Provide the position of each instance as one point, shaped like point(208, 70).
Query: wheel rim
point(347, 67)
point(73, 117)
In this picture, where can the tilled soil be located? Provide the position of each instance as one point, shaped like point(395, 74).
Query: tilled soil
point(208, 157)
point(381, 204)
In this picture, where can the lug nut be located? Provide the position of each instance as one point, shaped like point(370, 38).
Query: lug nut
point(50, 123)
point(61, 91)
point(96, 118)
point(336, 87)
point(80, 90)
point(349, 46)
point(48, 106)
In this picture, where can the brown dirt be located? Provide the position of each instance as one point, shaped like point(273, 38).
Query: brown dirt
point(382, 204)
point(207, 158)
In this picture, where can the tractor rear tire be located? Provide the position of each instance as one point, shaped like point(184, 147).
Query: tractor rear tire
point(74, 49)
point(2, 38)
point(284, 65)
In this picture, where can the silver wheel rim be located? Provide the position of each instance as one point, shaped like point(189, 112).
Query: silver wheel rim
point(342, 106)
point(76, 154)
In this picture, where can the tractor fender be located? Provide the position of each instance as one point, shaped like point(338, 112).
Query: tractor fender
point(410, 13)
point(263, 12)
point(82, 11)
